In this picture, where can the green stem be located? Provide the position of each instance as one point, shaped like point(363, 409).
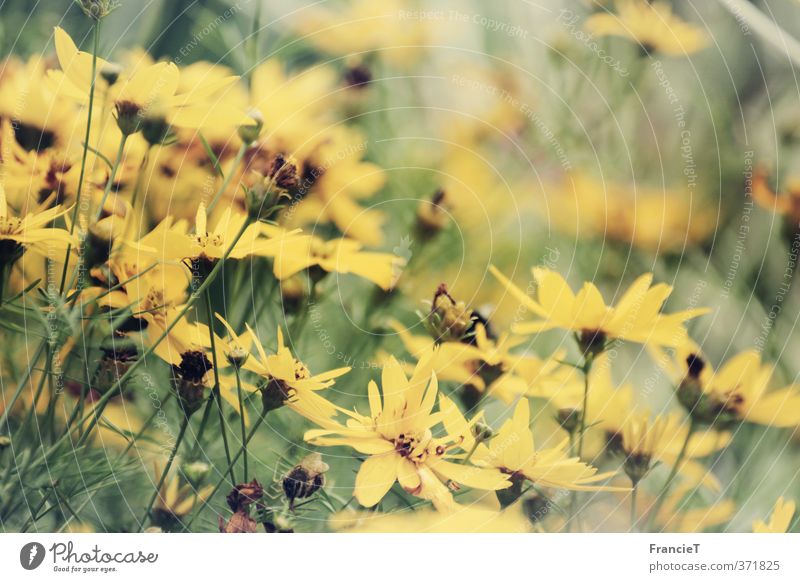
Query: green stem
point(165, 472)
point(227, 180)
point(85, 152)
point(662, 495)
point(216, 390)
point(587, 368)
point(241, 420)
point(250, 435)
point(633, 507)
point(95, 415)
point(111, 177)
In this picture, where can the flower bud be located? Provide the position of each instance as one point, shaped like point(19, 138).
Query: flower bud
point(250, 132)
point(196, 472)
point(156, 130)
point(128, 116)
point(482, 432)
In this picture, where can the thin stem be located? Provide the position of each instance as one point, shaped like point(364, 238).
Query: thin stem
point(216, 390)
point(97, 412)
point(85, 152)
point(241, 420)
point(250, 435)
point(227, 180)
point(662, 495)
point(472, 451)
point(254, 41)
point(165, 472)
point(201, 429)
point(111, 176)
point(587, 368)
point(634, 490)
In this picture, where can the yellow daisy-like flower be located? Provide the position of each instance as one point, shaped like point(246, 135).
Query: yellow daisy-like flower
point(150, 91)
point(651, 218)
point(30, 232)
point(675, 517)
point(636, 317)
point(487, 364)
point(779, 521)
point(398, 436)
point(338, 255)
point(738, 391)
point(651, 24)
point(512, 452)
point(285, 380)
point(211, 245)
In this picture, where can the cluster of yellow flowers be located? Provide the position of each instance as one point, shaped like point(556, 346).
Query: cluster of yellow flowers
point(139, 204)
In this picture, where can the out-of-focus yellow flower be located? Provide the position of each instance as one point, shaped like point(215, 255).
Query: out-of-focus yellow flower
point(674, 517)
point(335, 178)
point(31, 232)
point(149, 92)
point(654, 219)
point(487, 364)
point(365, 26)
point(512, 452)
point(176, 500)
point(398, 437)
point(341, 255)
point(463, 519)
point(651, 24)
point(646, 441)
point(779, 521)
point(738, 391)
point(636, 317)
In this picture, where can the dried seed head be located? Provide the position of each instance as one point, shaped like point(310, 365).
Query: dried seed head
point(189, 380)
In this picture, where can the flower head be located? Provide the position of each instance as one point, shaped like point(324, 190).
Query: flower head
point(651, 24)
point(779, 521)
point(398, 437)
point(636, 317)
point(285, 380)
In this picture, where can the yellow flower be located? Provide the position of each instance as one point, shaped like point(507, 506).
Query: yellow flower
point(211, 245)
point(285, 380)
point(675, 517)
point(364, 26)
point(779, 521)
point(176, 500)
point(487, 364)
point(398, 437)
point(334, 180)
point(738, 391)
point(338, 255)
point(646, 442)
point(148, 92)
point(655, 219)
point(652, 25)
point(512, 452)
point(636, 317)
point(30, 232)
